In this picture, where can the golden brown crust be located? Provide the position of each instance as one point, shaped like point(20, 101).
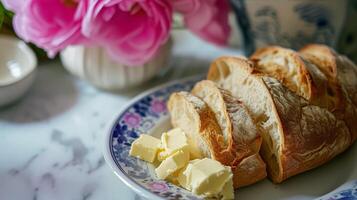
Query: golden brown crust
point(341, 73)
point(241, 134)
point(281, 64)
point(249, 171)
point(297, 74)
point(223, 71)
point(323, 57)
point(201, 120)
point(299, 136)
point(346, 75)
point(202, 123)
point(312, 135)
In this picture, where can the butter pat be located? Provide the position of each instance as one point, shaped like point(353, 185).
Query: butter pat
point(228, 191)
point(145, 148)
point(184, 177)
point(171, 142)
point(205, 177)
point(208, 178)
point(171, 164)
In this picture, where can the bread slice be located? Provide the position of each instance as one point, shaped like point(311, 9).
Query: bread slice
point(252, 167)
point(300, 76)
point(323, 57)
point(197, 120)
point(342, 74)
point(242, 138)
point(297, 136)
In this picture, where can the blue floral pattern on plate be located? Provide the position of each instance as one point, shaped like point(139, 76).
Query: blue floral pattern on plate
point(142, 116)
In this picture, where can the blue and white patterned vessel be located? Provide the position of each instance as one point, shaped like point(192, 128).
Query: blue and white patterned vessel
point(295, 23)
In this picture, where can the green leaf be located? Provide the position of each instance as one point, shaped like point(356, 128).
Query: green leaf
point(8, 13)
point(2, 14)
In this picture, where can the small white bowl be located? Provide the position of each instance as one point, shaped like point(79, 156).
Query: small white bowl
point(17, 69)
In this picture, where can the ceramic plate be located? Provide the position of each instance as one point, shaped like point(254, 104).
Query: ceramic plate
point(147, 114)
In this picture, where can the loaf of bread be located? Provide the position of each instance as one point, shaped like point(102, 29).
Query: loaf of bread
point(342, 74)
point(297, 136)
point(242, 139)
point(279, 114)
point(319, 75)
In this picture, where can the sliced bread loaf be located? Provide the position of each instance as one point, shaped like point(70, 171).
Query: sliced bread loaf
point(297, 136)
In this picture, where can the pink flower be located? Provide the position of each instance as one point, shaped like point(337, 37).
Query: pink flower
point(158, 106)
point(206, 18)
point(131, 30)
point(158, 187)
point(132, 120)
point(50, 24)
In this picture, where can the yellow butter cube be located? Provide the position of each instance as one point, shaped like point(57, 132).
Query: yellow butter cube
point(208, 178)
point(228, 191)
point(184, 177)
point(172, 163)
point(145, 148)
point(171, 142)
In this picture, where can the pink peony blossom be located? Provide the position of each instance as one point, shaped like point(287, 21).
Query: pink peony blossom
point(131, 30)
point(206, 18)
point(50, 24)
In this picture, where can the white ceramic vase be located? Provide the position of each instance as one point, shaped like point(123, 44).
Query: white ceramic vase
point(96, 66)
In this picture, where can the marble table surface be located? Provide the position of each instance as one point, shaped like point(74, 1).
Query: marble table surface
point(51, 141)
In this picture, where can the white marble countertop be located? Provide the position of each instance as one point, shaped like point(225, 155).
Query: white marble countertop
point(51, 141)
